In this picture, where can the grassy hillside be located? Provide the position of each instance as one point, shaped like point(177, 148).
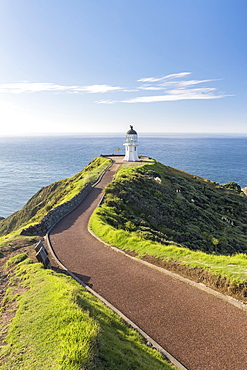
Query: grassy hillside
point(51, 196)
point(47, 319)
point(175, 216)
point(161, 203)
point(59, 325)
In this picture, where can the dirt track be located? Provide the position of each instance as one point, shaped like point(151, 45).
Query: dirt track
point(199, 329)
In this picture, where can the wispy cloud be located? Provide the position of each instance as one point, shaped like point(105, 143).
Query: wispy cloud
point(167, 77)
point(93, 89)
point(106, 101)
point(29, 87)
point(33, 87)
point(148, 87)
point(175, 95)
point(184, 83)
point(172, 87)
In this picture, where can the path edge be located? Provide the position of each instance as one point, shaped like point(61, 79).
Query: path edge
point(201, 286)
point(149, 341)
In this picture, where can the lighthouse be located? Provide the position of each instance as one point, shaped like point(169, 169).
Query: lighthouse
point(131, 144)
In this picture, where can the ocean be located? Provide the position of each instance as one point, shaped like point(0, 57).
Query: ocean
point(29, 163)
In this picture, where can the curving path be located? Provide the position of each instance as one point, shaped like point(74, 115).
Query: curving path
point(199, 329)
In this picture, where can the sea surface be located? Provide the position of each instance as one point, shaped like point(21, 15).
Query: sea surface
point(29, 163)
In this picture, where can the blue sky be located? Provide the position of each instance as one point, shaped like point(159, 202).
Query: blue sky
point(99, 66)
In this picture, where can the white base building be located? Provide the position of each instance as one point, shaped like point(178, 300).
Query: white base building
point(131, 144)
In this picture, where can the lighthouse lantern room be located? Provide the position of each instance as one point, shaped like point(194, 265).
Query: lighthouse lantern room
point(131, 144)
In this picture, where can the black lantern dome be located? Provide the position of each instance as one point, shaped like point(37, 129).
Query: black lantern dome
point(131, 135)
point(131, 131)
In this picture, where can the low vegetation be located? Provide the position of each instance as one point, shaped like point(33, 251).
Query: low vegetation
point(59, 325)
point(53, 195)
point(155, 212)
point(163, 212)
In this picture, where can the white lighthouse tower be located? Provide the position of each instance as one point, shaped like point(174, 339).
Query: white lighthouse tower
point(131, 144)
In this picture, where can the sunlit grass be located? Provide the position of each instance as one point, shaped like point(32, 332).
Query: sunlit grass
point(127, 219)
point(59, 325)
point(234, 267)
point(52, 196)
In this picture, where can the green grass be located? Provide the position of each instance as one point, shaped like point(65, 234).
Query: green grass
point(234, 267)
point(16, 259)
point(143, 212)
point(52, 196)
point(59, 325)
point(9, 239)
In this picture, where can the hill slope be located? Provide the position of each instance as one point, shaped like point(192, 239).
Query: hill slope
point(70, 329)
point(163, 204)
point(178, 221)
point(155, 210)
point(53, 195)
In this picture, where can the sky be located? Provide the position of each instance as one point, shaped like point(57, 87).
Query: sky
point(99, 66)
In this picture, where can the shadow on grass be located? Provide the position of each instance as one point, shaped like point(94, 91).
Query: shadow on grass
point(84, 278)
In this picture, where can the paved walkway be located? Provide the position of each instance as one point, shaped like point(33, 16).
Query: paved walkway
point(199, 329)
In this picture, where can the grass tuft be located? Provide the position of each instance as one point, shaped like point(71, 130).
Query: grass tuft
point(16, 259)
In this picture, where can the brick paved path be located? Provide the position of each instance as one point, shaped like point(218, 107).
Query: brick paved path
point(199, 329)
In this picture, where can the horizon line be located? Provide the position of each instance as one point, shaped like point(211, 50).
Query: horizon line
point(113, 133)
